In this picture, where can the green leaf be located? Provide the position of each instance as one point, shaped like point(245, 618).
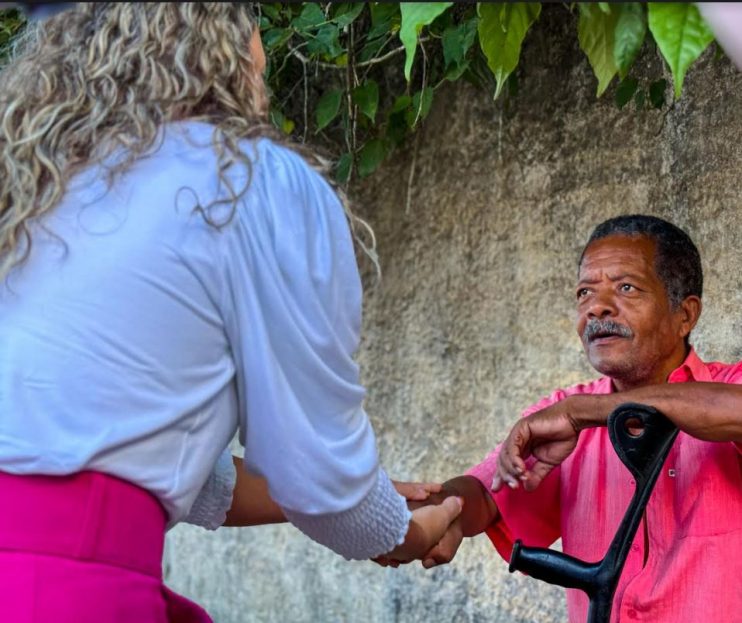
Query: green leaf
point(454, 72)
point(326, 41)
point(457, 40)
point(421, 103)
point(396, 127)
point(595, 31)
point(271, 11)
point(657, 92)
point(502, 28)
point(625, 91)
point(415, 15)
point(604, 6)
point(401, 103)
point(370, 49)
point(366, 97)
point(681, 35)
point(342, 168)
point(279, 120)
point(275, 37)
point(328, 107)
point(440, 24)
point(311, 16)
point(370, 157)
point(347, 12)
point(12, 22)
point(385, 18)
point(639, 99)
point(631, 28)
point(276, 117)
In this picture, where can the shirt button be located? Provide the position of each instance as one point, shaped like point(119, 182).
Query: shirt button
point(671, 473)
point(631, 614)
point(634, 548)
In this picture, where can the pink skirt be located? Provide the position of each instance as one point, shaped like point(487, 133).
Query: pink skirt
point(85, 548)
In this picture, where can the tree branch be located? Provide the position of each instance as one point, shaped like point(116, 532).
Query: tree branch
point(373, 61)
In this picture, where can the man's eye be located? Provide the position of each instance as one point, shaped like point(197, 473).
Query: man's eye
point(582, 293)
point(627, 287)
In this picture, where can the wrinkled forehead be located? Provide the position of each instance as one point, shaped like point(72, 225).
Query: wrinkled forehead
point(619, 253)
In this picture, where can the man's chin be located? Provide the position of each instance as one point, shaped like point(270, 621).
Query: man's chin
point(608, 366)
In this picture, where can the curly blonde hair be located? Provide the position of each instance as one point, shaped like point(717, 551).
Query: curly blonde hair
point(107, 75)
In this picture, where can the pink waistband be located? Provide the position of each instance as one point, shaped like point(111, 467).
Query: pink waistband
point(86, 516)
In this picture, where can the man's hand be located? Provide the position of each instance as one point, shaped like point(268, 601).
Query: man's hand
point(549, 435)
point(479, 512)
point(416, 491)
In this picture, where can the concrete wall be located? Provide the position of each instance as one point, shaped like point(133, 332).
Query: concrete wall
point(472, 320)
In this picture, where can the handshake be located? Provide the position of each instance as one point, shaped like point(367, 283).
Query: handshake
point(435, 531)
point(440, 519)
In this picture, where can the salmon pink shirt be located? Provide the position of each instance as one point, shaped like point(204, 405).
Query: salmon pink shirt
point(693, 520)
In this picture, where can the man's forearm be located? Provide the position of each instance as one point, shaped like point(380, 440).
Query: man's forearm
point(708, 411)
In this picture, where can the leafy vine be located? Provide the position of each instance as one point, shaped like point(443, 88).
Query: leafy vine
point(361, 77)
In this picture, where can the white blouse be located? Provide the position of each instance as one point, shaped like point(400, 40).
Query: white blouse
point(137, 339)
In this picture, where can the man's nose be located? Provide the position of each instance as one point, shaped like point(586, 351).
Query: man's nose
point(602, 306)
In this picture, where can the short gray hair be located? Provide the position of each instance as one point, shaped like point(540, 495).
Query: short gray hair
point(677, 261)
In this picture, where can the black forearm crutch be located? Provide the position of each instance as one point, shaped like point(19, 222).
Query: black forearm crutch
point(644, 455)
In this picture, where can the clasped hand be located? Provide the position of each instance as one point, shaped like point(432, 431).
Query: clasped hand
point(434, 534)
point(535, 445)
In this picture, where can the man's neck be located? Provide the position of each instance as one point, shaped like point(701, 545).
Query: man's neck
point(657, 378)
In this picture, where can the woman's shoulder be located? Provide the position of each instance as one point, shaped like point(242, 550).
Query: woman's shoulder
point(274, 182)
point(267, 156)
point(284, 166)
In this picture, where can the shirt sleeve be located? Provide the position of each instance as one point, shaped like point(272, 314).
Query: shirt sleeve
point(215, 498)
point(531, 516)
point(732, 375)
point(292, 311)
point(725, 20)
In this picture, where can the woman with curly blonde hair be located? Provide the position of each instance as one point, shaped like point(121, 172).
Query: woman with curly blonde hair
point(171, 274)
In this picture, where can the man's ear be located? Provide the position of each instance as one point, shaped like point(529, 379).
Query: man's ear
point(689, 311)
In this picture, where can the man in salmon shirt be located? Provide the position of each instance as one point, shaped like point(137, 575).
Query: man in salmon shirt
point(638, 297)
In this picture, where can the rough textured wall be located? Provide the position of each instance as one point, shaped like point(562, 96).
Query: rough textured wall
point(472, 320)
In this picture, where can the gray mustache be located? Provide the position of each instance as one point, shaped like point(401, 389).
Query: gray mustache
point(604, 327)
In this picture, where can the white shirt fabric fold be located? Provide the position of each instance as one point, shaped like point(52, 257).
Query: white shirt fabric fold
point(138, 339)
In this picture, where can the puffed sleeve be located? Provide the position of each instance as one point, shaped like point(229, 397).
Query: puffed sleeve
point(215, 497)
point(291, 305)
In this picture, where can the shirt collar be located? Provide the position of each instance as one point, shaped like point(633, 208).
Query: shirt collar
point(692, 369)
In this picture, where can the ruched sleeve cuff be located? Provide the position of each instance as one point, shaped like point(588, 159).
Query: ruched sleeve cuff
point(215, 498)
point(373, 527)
